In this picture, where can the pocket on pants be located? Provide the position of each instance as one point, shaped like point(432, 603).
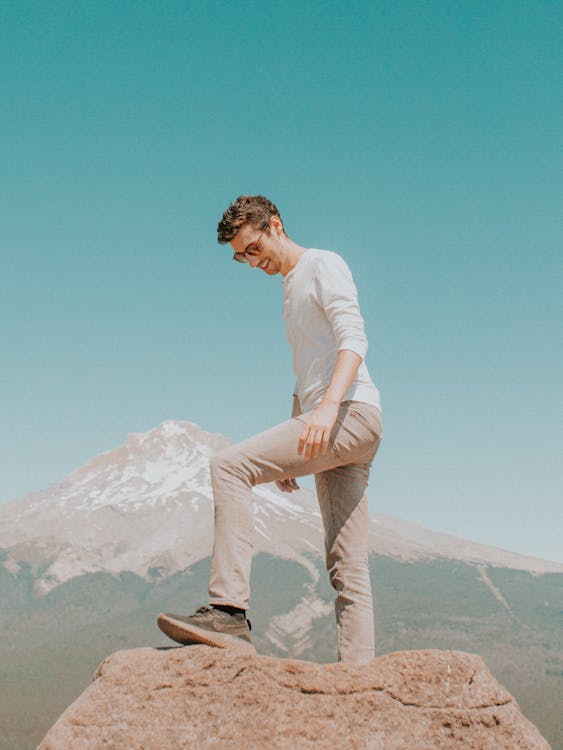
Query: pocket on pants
point(355, 437)
point(368, 416)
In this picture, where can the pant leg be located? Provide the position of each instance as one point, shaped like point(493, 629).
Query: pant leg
point(266, 457)
point(343, 499)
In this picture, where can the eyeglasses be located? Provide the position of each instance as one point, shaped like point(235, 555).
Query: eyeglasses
point(252, 249)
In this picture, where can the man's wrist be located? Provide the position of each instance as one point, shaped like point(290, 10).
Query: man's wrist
point(328, 400)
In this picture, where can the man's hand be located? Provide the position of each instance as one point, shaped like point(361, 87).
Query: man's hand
point(318, 428)
point(287, 485)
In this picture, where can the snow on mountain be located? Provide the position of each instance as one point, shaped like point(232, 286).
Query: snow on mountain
point(147, 507)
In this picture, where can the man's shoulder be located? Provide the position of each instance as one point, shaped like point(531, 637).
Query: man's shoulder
point(320, 257)
point(327, 264)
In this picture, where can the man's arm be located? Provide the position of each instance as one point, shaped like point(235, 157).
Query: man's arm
point(337, 294)
point(345, 370)
point(320, 421)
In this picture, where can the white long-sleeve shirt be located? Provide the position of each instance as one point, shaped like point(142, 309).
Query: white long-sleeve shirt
point(322, 316)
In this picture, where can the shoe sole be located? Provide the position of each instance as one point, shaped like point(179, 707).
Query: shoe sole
point(189, 635)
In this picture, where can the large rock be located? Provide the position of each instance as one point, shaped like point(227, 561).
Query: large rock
point(199, 697)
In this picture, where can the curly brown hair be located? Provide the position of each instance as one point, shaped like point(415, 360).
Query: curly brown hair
point(247, 209)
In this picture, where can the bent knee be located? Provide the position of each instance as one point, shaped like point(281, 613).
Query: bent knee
point(228, 463)
point(216, 462)
point(222, 460)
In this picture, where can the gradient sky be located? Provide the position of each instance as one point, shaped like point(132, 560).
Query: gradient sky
point(419, 140)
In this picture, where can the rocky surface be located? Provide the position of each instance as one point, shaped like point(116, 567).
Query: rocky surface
point(199, 697)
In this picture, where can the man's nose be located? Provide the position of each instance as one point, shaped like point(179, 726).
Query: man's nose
point(254, 260)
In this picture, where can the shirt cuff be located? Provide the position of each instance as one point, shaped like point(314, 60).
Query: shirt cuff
point(356, 345)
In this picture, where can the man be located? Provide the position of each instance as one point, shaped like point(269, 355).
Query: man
point(333, 433)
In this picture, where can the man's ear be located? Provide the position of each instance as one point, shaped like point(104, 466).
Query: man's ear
point(276, 224)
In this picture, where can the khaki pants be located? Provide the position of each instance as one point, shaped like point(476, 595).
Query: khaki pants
point(341, 477)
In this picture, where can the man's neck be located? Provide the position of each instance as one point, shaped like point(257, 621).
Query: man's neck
point(292, 253)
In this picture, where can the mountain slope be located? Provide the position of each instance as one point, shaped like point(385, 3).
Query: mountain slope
point(146, 507)
point(87, 564)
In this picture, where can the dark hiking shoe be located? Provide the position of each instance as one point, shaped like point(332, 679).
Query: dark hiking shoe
point(210, 626)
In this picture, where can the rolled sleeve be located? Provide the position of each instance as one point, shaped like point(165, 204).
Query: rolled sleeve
point(338, 296)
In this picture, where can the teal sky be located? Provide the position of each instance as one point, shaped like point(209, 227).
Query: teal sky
point(419, 140)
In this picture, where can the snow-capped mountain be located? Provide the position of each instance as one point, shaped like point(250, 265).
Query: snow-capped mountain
point(147, 507)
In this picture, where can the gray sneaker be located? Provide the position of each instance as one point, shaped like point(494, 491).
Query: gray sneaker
point(208, 625)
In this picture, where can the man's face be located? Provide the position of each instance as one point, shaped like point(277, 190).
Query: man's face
point(267, 242)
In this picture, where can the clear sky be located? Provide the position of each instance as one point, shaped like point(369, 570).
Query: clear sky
point(421, 140)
